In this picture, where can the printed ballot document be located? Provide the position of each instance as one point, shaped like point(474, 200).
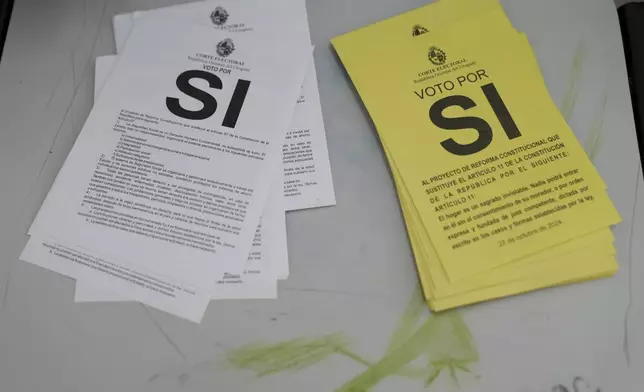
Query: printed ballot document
point(462, 164)
point(268, 258)
point(168, 178)
point(307, 170)
point(306, 177)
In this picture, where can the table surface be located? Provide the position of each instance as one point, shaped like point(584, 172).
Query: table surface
point(342, 321)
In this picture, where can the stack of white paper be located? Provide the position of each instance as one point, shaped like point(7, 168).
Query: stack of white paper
point(206, 128)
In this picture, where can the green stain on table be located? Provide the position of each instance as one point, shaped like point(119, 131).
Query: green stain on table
point(573, 82)
point(595, 134)
point(294, 354)
point(443, 342)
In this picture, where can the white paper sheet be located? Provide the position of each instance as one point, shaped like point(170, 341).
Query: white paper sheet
point(307, 113)
point(243, 172)
point(126, 91)
point(268, 257)
point(270, 248)
point(307, 170)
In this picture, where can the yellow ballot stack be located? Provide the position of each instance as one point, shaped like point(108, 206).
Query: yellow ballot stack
point(498, 196)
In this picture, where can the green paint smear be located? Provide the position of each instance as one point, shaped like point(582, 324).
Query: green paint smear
point(595, 137)
point(595, 134)
point(443, 340)
point(295, 354)
point(408, 323)
point(574, 81)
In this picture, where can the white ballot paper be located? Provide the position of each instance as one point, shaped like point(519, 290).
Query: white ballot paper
point(307, 171)
point(268, 256)
point(165, 185)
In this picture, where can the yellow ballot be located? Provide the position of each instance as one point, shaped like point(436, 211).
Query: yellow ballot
point(497, 194)
point(512, 271)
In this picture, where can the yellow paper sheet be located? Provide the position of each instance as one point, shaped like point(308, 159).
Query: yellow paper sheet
point(574, 259)
point(510, 141)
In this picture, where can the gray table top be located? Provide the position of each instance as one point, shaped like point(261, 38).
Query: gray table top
point(340, 322)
